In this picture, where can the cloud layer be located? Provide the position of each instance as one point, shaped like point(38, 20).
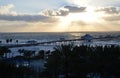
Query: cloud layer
point(48, 20)
point(111, 14)
point(27, 18)
point(109, 10)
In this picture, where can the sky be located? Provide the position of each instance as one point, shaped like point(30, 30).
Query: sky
point(59, 15)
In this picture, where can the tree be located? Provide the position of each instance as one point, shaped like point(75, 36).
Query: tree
point(82, 61)
point(10, 40)
point(59, 61)
point(7, 40)
point(1, 52)
point(27, 54)
point(41, 54)
point(65, 52)
point(4, 50)
point(21, 51)
point(16, 41)
point(53, 65)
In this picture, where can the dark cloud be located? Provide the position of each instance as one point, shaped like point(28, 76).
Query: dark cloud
point(109, 10)
point(75, 9)
point(27, 18)
point(61, 12)
point(64, 11)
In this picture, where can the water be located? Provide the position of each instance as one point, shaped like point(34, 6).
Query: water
point(52, 36)
point(22, 37)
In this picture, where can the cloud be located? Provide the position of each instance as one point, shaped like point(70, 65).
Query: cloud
point(4, 10)
point(112, 18)
point(110, 14)
point(6, 14)
point(63, 11)
point(27, 18)
point(109, 10)
point(51, 20)
point(73, 9)
point(46, 16)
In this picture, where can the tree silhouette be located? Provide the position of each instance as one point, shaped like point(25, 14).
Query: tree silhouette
point(7, 40)
point(27, 55)
point(41, 54)
point(4, 50)
point(10, 40)
point(17, 41)
point(21, 51)
point(84, 61)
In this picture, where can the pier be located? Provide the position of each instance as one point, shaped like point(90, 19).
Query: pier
point(47, 42)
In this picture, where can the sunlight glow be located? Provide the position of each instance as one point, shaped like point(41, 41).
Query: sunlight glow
point(89, 16)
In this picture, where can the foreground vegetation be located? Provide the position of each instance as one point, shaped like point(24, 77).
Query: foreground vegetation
point(84, 62)
point(69, 61)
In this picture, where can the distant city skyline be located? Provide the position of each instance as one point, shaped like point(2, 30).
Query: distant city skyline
point(59, 15)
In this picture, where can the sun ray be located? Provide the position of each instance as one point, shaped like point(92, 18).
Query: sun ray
point(89, 16)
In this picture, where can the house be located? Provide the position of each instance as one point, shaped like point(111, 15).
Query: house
point(87, 37)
